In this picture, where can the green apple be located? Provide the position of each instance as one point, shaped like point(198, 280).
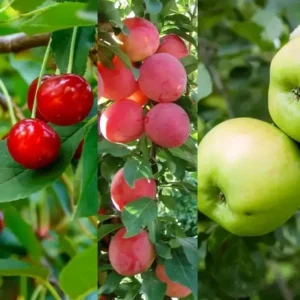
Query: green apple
point(284, 89)
point(248, 176)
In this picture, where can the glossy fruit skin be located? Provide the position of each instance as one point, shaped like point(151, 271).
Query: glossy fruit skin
point(284, 89)
point(248, 176)
point(162, 78)
point(122, 122)
point(174, 289)
point(33, 144)
point(167, 125)
point(31, 95)
point(142, 40)
point(100, 85)
point(122, 193)
point(174, 45)
point(65, 99)
point(78, 152)
point(131, 256)
point(119, 82)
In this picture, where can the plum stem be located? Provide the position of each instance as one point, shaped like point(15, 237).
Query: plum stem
point(33, 114)
point(9, 103)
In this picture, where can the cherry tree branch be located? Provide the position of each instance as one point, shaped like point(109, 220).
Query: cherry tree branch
point(18, 42)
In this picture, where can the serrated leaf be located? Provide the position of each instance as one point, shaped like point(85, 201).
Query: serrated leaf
point(190, 249)
point(111, 283)
point(135, 169)
point(61, 43)
point(138, 214)
point(178, 269)
point(153, 288)
point(105, 229)
point(79, 277)
point(116, 150)
point(26, 182)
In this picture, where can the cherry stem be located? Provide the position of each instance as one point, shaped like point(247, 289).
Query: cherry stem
point(9, 103)
point(40, 79)
point(52, 290)
point(72, 50)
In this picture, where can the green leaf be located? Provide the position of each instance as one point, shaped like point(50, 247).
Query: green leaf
point(182, 34)
point(190, 249)
point(107, 12)
point(116, 150)
point(168, 201)
point(23, 232)
point(13, 267)
point(185, 154)
point(67, 245)
point(163, 250)
point(178, 269)
point(61, 43)
point(111, 283)
point(87, 198)
point(25, 6)
point(56, 17)
point(133, 292)
point(138, 214)
point(237, 269)
point(205, 85)
point(190, 63)
point(79, 277)
point(135, 169)
point(18, 183)
point(105, 229)
point(28, 69)
point(153, 288)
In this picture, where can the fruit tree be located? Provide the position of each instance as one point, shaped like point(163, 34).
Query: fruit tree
point(147, 149)
point(48, 161)
point(249, 158)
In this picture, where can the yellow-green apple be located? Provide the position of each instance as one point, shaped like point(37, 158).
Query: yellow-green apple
point(284, 89)
point(248, 176)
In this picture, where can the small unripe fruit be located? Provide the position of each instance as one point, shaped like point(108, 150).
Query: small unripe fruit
point(131, 256)
point(142, 40)
point(122, 122)
point(174, 289)
point(174, 45)
point(162, 78)
point(119, 82)
point(167, 125)
point(122, 193)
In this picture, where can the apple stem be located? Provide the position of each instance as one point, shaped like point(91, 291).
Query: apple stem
point(40, 78)
point(72, 50)
point(9, 103)
point(221, 196)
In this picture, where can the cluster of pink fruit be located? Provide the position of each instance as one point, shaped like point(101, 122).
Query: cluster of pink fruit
point(62, 100)
point(163, 80)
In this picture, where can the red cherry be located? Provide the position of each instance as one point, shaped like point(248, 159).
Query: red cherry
point(33, 143)
point(78, 150)
point(2, 224)
point(65, 99)
point(31, 94)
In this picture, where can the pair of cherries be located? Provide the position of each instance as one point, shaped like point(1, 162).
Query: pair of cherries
point(62, 100)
